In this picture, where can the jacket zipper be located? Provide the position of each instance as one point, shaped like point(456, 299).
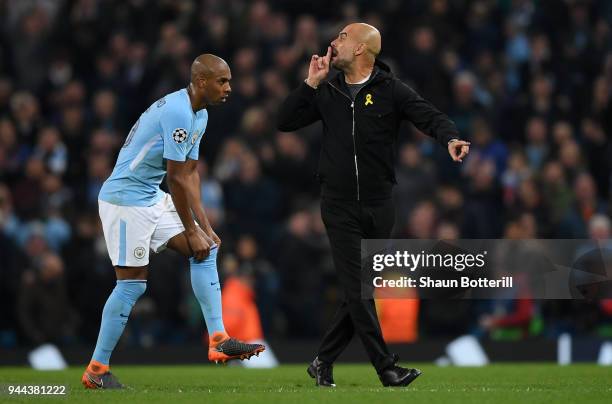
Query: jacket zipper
point(352, 133)
point(355, 149)
point(353, 129)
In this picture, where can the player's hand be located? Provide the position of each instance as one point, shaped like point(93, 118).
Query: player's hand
point(199, 243)
point(458, 149)
point(210, 233)
point(319, 68)
point(215, 238)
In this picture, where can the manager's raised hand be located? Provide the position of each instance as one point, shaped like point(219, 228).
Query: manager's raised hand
point(319, 68)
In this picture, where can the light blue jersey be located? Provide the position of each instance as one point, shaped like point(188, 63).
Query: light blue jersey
point(168, 129)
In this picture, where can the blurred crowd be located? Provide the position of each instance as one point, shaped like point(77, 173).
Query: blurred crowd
point(528, 82)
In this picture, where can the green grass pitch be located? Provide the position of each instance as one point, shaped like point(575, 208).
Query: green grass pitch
point(522, 383)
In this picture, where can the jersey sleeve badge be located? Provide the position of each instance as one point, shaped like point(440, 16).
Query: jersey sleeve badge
point(179, 135)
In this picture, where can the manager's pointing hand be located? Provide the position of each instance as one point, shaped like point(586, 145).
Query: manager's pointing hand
point(458, 149)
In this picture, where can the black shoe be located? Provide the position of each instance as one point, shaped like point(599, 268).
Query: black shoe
point(104, 381)
point(322, 373)
point(398, 376)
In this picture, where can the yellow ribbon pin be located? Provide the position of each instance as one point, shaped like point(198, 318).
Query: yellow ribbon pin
point(368, 100)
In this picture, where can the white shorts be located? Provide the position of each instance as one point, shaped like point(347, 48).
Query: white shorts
point(131, 231)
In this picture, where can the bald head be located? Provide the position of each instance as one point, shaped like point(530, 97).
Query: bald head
point(210, 81)
point(207, 65)
point(367, 34)
point(356, 46)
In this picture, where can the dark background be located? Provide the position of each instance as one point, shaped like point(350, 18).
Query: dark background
point(527, 82)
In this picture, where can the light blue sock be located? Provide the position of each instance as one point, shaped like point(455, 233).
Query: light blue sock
point(207, 289)
point(115, 315)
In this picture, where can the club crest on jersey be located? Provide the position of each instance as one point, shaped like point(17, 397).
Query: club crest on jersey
point(139, 252)
point(194, 138)
point(179, 135)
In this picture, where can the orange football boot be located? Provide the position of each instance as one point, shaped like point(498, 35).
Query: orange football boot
point(221, 348)
point(98, 376)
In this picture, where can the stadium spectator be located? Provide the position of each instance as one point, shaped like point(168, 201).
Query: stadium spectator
point(44, 310)
point(265, 280)
point(253, 201)
point(303, 248)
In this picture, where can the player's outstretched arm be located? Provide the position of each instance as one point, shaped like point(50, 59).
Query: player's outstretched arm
point(423, 115)
point(179, 183)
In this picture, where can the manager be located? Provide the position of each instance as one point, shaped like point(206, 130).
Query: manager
point(361, 106)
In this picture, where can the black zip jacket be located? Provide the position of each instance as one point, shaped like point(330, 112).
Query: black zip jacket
point(358, 148)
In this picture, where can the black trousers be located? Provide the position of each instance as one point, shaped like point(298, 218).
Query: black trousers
point(347, 222)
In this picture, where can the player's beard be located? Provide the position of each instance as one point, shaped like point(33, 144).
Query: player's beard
point(340, 64)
